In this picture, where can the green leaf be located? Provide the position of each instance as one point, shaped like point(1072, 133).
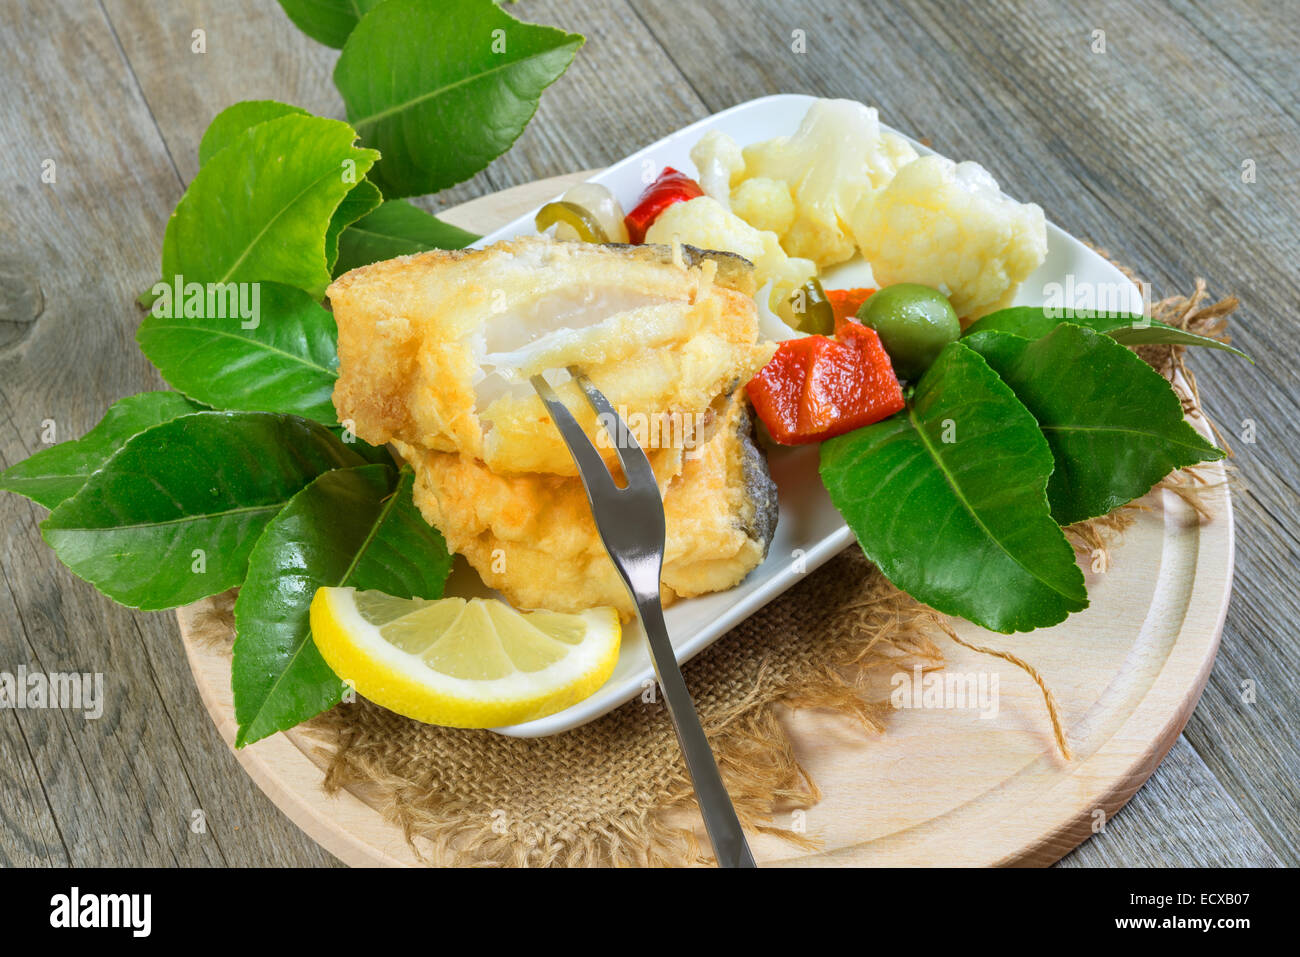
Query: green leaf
point(396, 229)
point(327, 21)
point(58, 473)
point(949, 500)
point(371, 453)
point(259, 209)
point(347, 528)
point(1114, 425)
point(1132, 329)
point(172, 516)
point(443, 89)
point(1157, 333)
point(365, 198)
point(286, 362)
point(227, 125)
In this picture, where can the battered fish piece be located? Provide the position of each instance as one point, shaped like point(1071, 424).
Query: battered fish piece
point(532, 537)
point(435, 349)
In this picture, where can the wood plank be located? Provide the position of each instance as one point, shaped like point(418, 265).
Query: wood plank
point(120, 789)
point(1143, 154)
point(1260, 38)
point(1168, 820)
point(621, 92)
point(253, 53)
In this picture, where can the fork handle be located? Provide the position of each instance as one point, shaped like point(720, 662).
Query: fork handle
point(729, 845)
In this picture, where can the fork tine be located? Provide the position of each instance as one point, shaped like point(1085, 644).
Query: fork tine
point(631, 526)
point(636, 466)
point(591, 467)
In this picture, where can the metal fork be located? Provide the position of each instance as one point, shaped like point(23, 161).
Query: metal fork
point(631, 524)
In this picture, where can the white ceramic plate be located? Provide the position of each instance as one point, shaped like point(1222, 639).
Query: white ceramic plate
point(810, 530)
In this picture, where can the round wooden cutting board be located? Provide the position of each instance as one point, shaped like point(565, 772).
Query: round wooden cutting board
point(940, 787)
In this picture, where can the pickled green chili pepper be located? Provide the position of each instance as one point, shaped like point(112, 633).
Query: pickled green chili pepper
point(813, 311)
point(573, 216)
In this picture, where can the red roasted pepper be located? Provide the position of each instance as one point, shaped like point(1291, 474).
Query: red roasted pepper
point(817, 387)
point(846, 303)
point(670, 187)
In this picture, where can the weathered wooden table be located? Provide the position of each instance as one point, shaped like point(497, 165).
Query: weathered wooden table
point(1142, 144)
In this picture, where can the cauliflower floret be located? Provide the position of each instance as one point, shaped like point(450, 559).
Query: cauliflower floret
point(837, 156)
point(894, 153)
point(947, 225)
point(703, 222)
point(720, 165)
point(764, 204)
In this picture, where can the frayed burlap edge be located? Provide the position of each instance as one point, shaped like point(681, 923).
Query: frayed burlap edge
point(880, 629)
point(446, 820)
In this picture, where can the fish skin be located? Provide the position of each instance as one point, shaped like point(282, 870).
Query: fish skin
point(734, 270)
point(408, 327)
point(760, 489)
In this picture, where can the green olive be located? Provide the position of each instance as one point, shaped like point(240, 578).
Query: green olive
point(914, 323)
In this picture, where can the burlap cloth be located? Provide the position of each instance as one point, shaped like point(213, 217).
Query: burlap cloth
point(615, 791)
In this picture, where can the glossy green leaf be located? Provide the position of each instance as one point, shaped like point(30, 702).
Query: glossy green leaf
point(443, 89)
point(259, 209)
point(396, 229)
point(365, 198)
point(234, 120)
point(949, 500)
point(371, 453)
point(1114, 425)
point(59, 472)
point(172, 516)
point(285, 359)
point(347, 528)
point(327, 21)
point(1131, 329)
point(1157, 333)
point(226, 127)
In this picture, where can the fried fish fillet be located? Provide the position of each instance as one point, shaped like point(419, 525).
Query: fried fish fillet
point(532, 537)
point(435, 349)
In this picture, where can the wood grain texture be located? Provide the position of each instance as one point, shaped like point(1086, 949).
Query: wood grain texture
point(620, 93)
point(1183, 798)
point(122, 789)
point(1139, 149)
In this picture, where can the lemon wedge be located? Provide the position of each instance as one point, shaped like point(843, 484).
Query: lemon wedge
point(465, 664)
